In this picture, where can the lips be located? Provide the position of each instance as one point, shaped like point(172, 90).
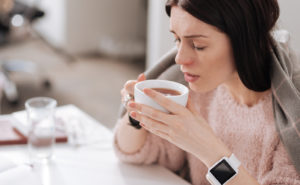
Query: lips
point(190, 77)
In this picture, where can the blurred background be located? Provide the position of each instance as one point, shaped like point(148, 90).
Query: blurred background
point(82, 52)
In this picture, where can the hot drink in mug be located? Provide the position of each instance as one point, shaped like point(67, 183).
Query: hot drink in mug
point(172, 90)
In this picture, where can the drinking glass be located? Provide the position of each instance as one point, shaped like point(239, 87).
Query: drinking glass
point(41, 135)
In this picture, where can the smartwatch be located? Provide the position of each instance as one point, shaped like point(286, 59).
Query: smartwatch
point(223, 171)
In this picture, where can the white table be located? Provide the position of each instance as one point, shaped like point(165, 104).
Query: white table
point(93, 163)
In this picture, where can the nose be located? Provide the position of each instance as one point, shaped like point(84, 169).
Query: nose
point(183, 56)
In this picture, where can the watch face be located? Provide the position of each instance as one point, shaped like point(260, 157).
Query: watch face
point(223, 171)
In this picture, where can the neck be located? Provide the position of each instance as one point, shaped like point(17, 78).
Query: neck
point(241, 93)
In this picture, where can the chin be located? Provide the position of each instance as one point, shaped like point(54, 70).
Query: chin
point(200, 89)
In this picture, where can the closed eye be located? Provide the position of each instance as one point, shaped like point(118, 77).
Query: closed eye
point(199, 48)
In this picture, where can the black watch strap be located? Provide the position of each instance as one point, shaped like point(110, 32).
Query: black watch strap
point(134, 123)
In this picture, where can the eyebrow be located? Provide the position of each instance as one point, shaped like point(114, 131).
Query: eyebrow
point(190, 36)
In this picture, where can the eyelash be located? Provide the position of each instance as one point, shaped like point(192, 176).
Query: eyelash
point(196, 48)
point(199, 48)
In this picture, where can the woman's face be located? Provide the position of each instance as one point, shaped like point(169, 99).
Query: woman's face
point(204, 53)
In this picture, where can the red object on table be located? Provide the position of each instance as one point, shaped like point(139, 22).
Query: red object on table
point(10, 135)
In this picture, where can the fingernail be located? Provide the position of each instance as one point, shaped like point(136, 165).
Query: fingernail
point(132, 104)
point(133, 114)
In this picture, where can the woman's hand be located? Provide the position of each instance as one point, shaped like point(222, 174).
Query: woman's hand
point(182, 127)
point(130, 139)
point(128, 89)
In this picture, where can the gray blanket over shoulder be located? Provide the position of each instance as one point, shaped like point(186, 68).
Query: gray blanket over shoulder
point(285, 90)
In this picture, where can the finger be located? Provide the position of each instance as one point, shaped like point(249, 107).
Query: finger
point(141, 77)
point(129, 86)
point(158, 133)
point(123, 92)
point(151, 112)
point(149, 123)
point(191, 106)
point(129, 108)
point(162, 100)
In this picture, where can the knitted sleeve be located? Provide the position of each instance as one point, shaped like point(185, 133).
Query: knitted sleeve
point(155, 151)
point(281, 171)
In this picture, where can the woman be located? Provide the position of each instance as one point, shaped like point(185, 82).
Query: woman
point(235, 73)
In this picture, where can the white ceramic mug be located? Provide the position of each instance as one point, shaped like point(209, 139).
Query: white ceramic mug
point(141, 97)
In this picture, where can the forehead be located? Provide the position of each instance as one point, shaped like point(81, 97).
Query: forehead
point(184, 23)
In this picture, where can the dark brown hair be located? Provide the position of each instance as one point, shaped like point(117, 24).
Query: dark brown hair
point(248, 24)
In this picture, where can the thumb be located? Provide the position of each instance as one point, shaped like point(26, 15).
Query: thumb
point(191, 106)
point(141, 77)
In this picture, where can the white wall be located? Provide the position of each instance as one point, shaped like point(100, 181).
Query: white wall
point(159, 38)
point(52, 25)
point(289, 20)
point(79, 25)
point(91, 20)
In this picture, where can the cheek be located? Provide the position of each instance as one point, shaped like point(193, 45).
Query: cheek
point(216, 69)
point(222, 62)
point(218, 64)
point(221, 71)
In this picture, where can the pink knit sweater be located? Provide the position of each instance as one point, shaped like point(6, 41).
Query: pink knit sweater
point(249, 132)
